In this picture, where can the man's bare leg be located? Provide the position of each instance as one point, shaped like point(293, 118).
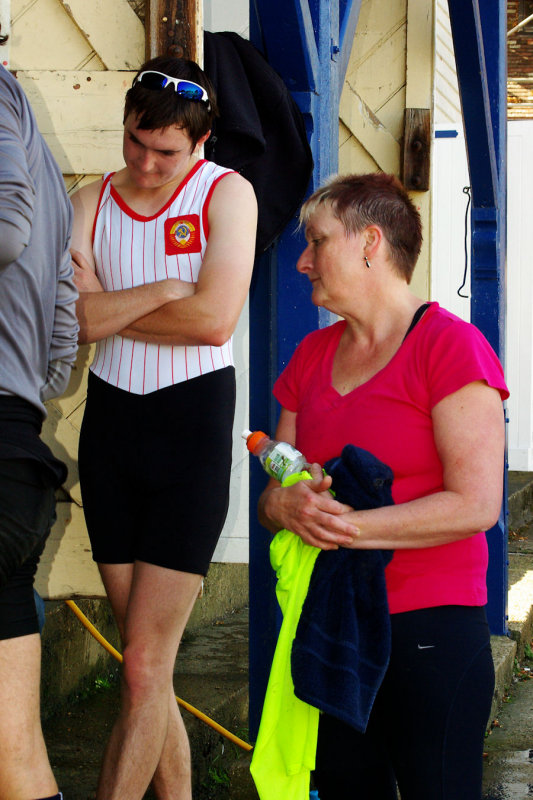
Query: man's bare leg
point(148, 728)
point(172, 778)
point(25, 770)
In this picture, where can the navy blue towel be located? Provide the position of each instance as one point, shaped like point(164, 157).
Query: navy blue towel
point(342, 646)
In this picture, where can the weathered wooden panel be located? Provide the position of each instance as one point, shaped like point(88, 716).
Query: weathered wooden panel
point(66, 569)
point(62, 438)
point(80, 115)
point(112, 29)
point(43, 37)
point(174, 28)
point(352, 155)
point(373, 98)
point(417, 149)
point(380, 77)
point(369, 131)
point(77, 388)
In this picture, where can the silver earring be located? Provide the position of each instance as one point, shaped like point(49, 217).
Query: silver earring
point(367, 262)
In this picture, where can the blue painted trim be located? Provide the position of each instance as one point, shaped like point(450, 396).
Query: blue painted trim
point(480, 42)
point(349, 15)
point(308, 42)
point(446, 134)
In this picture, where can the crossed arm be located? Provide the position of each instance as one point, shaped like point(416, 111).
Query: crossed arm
point(469, 436)
point(173, 311)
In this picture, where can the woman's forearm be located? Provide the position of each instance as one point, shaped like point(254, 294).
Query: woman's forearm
point(429, 521)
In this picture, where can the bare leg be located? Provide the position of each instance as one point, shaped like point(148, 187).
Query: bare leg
point(24, 767)
point(149, 730)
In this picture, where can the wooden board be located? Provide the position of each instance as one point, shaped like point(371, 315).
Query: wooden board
point(105, 25)
point(80, 115)
point(66, 569)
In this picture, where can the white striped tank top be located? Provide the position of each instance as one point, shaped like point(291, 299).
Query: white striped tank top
point(130, 250)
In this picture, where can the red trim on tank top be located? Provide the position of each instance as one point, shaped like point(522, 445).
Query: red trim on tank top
point(139, 217)
point(105, 181)
point(205, 209)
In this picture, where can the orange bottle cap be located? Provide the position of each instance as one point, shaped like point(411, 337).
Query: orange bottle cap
point(254, 439)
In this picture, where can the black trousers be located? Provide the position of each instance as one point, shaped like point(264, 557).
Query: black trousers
point(427, 726)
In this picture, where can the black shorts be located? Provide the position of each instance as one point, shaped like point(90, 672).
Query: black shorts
point(155, 471)
point(27, 512)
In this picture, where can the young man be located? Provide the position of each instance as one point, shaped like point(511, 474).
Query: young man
point(165, 253)
point(38, 343)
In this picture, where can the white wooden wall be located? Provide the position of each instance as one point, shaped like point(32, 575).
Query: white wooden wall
point(227, 15)
point(449, 203)
point(519, 367)
point(233, 15)
point(449, 175)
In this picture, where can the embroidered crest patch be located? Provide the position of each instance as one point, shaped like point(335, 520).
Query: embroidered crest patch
point(182, 235)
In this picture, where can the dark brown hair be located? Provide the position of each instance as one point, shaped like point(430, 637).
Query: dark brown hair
point(161, 109)
point(373, 199)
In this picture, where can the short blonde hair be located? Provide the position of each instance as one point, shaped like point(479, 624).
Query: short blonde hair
point(373, 199)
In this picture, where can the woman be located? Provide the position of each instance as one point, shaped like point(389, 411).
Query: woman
point(422, 391)
point(163, 271)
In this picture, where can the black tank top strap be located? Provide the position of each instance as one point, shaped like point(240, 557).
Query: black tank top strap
point(416, 318)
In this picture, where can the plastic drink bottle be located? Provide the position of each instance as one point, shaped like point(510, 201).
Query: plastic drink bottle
point(278, 459)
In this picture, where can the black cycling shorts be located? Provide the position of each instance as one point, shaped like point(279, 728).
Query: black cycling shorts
point(27, 513)
point(155, 471)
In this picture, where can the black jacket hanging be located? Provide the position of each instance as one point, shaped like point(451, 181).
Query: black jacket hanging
point(260, 132)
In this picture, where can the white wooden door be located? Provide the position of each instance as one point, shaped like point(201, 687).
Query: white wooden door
point(519, 361)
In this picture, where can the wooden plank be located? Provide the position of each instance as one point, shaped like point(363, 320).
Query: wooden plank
point(112, 29)
point(420, 55)
point(77, 389)
point(80, 116)
point(174, 28)
point(62, 438)
point(369, 131)
point(44, 37)
point(417, 149)
point(66, 568)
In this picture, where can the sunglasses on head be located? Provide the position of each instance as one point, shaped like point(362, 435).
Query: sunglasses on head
point(151, 79)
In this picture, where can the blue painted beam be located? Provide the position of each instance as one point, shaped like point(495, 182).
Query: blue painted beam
point(308, 42)
point(479, 35)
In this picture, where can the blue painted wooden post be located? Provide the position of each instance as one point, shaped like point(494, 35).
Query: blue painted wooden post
point(479, 35)
point(308, 42)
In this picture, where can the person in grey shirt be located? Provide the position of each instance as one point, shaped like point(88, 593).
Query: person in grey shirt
point(38, 343)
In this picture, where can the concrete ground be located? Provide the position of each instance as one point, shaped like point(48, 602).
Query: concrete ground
point(212, 675)
point(508, 767)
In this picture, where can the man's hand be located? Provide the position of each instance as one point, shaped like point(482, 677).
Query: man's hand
point(84, 275)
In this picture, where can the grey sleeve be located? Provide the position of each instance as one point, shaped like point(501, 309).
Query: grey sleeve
point(57, 380)
point(64, 343)
point(17, 191)
point(12, 242)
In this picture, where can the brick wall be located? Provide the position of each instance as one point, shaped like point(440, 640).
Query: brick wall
point(520, 61)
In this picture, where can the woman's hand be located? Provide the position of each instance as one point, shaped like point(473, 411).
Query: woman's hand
point(309, 510)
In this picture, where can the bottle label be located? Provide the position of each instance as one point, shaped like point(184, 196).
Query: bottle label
point(280, 459)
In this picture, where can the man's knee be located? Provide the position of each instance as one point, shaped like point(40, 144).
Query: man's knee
point(144, 672)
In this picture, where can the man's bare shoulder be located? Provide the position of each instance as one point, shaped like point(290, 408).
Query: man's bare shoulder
point(234, 188)
point(87, 195)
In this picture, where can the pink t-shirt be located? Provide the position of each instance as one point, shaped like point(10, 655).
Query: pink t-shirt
point(390, 415)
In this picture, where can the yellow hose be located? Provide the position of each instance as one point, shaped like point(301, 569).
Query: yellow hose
point(194, 711)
